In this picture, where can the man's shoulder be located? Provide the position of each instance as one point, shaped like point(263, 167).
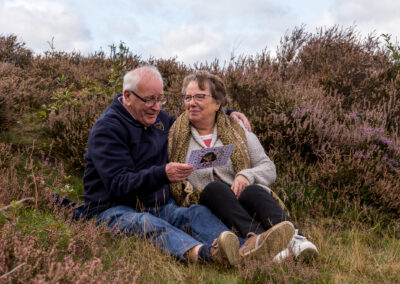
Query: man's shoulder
point(108, 119)
point(164, 114)
point(165, 117)
point(110, 123)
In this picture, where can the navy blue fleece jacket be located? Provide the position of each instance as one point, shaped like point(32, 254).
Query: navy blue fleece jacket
point(125, 161)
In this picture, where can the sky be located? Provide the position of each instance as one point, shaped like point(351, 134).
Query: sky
point(192, 31)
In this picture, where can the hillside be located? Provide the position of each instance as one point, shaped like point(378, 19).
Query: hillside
point(326, 109)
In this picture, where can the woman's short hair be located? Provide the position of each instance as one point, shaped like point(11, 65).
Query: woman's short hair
point(217, 86)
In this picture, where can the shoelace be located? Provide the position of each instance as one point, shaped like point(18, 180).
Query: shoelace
point(295, 238)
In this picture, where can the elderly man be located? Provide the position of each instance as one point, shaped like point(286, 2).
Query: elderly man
point(127, 176)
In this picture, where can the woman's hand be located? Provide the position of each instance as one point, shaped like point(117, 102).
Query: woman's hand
point(239, 184)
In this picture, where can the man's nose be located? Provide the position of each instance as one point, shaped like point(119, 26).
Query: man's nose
point(157, 105)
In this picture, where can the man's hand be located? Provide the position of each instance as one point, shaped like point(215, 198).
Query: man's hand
point(239, 184)
point(177, 172)
point(240, 116)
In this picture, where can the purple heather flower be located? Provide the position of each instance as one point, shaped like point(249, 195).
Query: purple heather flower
point(282, 116)
point(353, 115)
point(386, 140)
point(358, 154)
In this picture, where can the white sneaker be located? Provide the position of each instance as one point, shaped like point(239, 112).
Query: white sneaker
point(299, 247)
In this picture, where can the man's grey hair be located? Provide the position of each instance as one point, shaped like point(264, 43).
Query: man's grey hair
point(133, 77)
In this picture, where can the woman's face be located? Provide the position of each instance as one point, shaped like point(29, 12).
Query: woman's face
point(200, 110)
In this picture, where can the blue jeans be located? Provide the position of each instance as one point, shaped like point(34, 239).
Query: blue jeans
point(167, 226)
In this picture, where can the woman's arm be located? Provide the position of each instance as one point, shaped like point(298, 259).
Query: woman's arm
point(262, 169)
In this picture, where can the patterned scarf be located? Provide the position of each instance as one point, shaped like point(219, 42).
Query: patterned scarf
point(229, 132)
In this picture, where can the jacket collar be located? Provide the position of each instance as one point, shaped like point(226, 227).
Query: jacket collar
point(117, 103)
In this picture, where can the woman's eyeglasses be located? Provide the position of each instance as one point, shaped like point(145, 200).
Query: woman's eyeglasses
point(196, 97)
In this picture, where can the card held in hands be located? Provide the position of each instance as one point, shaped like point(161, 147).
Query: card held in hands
point(210, 157)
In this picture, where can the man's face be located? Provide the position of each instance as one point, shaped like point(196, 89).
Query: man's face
point(149, 86)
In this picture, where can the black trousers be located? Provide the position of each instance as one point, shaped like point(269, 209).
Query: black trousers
point(255, 211)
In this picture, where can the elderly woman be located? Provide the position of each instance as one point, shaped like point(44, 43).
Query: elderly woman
point(236, 192)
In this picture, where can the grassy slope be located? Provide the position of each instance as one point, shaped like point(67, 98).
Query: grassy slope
point(55, 248)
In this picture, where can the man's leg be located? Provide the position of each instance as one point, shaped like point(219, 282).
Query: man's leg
point(220, 244)
point(124, 219)
point(196, 220)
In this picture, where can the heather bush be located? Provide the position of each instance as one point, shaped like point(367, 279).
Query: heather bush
point(325, 109)
point(345, 156)
point(28, 173)
point(5, 112)
point(325, 98)
point(72, 253)
point(120, 61)
point(14, 51)
point(341, 61)
point(69, 119)
point(55, 71)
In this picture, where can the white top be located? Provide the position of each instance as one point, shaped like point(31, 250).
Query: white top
point(262, 171)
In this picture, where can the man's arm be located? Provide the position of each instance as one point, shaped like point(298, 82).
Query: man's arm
point(110, 153)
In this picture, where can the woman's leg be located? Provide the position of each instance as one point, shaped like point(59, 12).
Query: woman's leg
point(260, 204)
point(221, 200)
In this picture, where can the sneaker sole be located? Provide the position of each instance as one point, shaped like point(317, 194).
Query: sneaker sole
point(229, 245)
point(277, 239)
point(307, 255)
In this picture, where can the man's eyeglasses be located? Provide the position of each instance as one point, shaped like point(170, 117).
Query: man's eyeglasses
point(151, 100)
point(196, 97)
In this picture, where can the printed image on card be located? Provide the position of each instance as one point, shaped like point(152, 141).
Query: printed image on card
point(210, 157)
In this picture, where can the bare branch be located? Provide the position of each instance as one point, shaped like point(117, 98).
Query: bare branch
point(14, 269)
point(16, 203)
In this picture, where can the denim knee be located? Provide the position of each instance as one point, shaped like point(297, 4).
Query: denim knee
point(198, 209)
point(133, 223)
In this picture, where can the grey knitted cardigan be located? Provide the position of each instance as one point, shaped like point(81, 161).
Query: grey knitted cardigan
point(261, 172)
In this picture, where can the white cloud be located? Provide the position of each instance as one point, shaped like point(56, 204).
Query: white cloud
point(191, 43)
point(371, 11)
point(192, 30)
point(239, 27)
point(379, 16)
point(37, 22)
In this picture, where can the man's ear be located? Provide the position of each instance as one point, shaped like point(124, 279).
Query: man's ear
point(126, 94)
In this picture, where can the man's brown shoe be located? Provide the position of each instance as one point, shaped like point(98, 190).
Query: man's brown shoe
point(225, 249)
point(268, 243)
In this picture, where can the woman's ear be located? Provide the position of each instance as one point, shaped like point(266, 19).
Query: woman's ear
point(218, 105)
